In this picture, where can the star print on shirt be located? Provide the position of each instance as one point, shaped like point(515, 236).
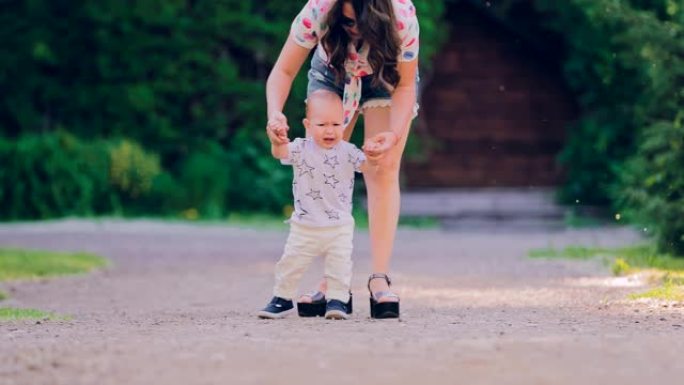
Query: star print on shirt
point(300, 211)
point(331, 161)
point(295, 155)
point(332, 214)
point(343, 197)
point(351, 184)
point(304, 168)
point(331, 180)
point(351, 159)
point(314, 194)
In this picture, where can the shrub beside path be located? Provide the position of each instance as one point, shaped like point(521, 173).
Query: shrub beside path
point(177, 307)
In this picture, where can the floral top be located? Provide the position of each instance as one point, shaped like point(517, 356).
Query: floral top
point(310, 25)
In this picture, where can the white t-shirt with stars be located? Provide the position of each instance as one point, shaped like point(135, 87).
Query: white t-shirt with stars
point(323, 182)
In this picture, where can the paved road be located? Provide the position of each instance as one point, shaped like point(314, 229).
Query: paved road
point(178, 304)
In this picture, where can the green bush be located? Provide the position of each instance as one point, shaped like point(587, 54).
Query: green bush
point(205, 177)
point(131, 169)
point(45, 176)
point(623, 60)
point(654, 193)
point(178, 77)
point(52, 175)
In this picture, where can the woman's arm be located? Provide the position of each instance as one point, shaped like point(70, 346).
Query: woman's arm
point(279, 84)
point(403, 98)
point(401, 112)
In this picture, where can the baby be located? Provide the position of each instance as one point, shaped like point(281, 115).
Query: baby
point(322, 223)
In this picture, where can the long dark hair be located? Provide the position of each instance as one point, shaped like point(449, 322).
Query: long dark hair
point(377, 24)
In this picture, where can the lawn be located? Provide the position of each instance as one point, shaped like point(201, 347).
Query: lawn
point(666, 270)
point(18, 264)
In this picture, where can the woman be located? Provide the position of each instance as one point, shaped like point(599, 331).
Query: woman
point(366, 51)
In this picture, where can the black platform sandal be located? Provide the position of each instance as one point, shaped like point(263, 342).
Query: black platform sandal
point(382, 309)
point(316, 308)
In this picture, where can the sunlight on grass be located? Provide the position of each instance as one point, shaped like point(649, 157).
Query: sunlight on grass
point(14, 314)
point(571, 252)
point(26, 264)
point(662, 269)
point(638, 256)
point(666, 292)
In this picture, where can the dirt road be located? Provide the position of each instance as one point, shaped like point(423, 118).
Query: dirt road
point(177, 307)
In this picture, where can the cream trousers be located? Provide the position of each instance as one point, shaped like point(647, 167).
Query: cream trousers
point(303, 245)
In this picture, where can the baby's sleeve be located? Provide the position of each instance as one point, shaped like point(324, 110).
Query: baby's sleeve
point(407, 28)
point(309, 24)
point(356, 157)
point(294, 152)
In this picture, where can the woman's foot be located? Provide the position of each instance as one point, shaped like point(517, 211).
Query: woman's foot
point(378, 284)
point(314, 305)
point(310, 297)
point(383, 303)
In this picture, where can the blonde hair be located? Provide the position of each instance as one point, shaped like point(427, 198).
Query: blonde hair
point(321, 96)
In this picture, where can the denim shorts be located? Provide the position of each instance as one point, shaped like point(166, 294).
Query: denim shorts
point(323, 77)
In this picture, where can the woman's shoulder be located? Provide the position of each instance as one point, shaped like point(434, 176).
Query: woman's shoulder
point(320, 7)
point(404, 9)
point(407, 27)
point(310, 23)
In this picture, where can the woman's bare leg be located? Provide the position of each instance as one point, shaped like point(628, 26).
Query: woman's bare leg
point(382, 186)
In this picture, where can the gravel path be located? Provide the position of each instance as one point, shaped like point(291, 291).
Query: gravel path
point(178, 304)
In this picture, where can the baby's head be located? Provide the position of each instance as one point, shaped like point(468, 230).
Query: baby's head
point(324, 117)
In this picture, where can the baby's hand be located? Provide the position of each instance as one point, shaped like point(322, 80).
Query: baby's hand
point(380, 144)
point(281, 136)
point(277, 128)
point(371, 158)
point(371, 150)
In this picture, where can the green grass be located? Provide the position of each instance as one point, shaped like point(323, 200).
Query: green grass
point(14, 314)
point(3, 296)
point(666, 270)
point(667, 292)
point(419, 222)
point(16, 264)
point(638, 256)
point(570, 252)
point(574, 219)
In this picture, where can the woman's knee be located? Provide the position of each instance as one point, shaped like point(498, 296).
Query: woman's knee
point(386, 172)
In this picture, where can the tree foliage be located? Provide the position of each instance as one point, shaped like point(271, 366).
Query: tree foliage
point(183, 78)
point(625, 62)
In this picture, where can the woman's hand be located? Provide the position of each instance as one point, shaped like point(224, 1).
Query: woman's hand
point(276, 128)
point(377, 146)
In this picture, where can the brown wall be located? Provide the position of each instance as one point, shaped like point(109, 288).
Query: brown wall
point(493, 111)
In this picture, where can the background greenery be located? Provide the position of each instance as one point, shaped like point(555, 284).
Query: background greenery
point(625, 62)
point(157, 106)
point(150, 106)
